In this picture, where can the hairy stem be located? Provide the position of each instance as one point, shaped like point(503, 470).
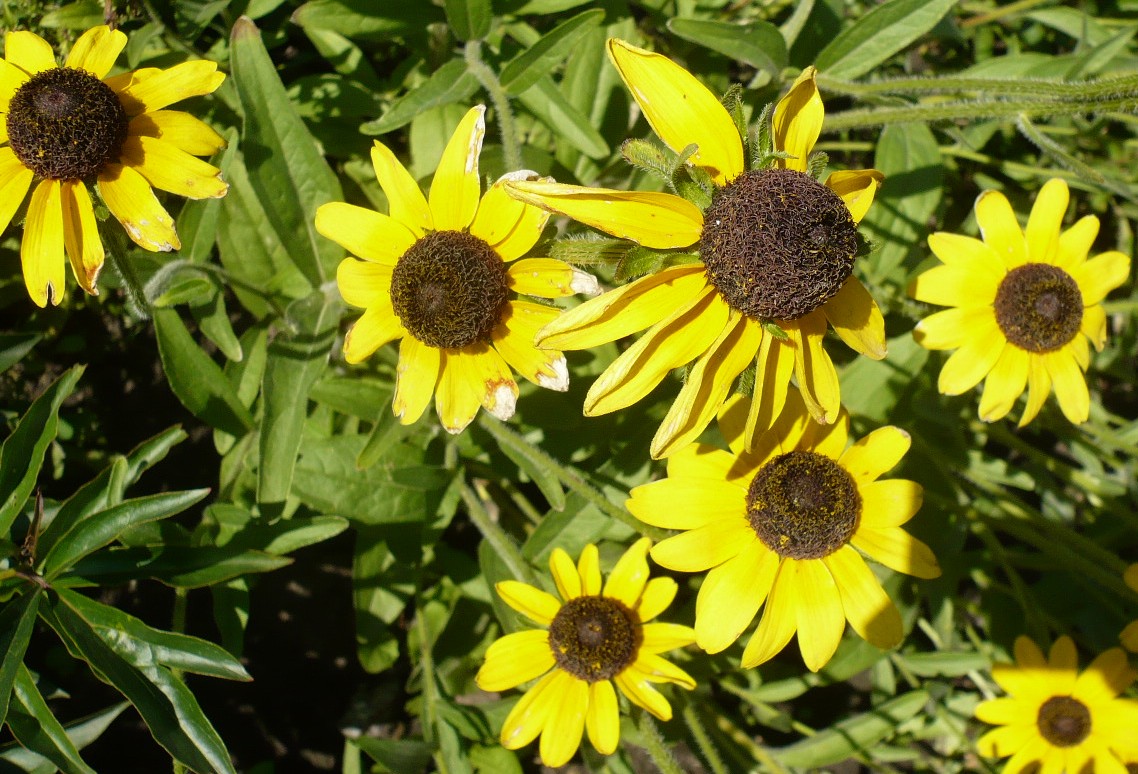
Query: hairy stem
point(511, 150)
point(502, 543)
point(970, 110)
point(654, 744)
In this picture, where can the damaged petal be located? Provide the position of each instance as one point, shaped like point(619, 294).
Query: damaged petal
point(559, 380)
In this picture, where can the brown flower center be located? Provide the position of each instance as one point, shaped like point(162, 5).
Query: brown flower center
point(66, 124)
point(803, 505)
point(777, 244)
point(1063, 721)
point(1039, 307)
point(449, 289)
point(594, 638)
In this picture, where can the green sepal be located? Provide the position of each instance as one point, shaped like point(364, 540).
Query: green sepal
point(588, 250)
point(761, 140)
point(647, 157)
point(733, 100)
point(817, 164)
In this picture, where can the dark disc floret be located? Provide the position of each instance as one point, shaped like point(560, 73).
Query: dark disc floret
point(1039, 307)
point(803, 505)
point(777, 244)
point(66, 124)
point(594, 638)
point(1063, 721)
point(449, 289)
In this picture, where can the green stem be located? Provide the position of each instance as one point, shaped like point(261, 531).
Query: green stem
point(502, 543)
point(991, 88)
point(999, 13)
point(427, 669)
point(511, 149)
point(969, 110)
point(136, 295)
point(1060, 155)
point(703, 740)
point(654, 744)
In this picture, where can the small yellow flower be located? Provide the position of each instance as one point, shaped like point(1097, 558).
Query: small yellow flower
point(786, 525)
point(439, 272)
point(1058, 718)
point(591, 638)
point(1025, 304)
point(73, 125)
point(775, 246)
point(1129, 636)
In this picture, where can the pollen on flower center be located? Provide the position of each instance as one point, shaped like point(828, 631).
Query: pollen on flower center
point(803, 505)
point(1039, 307)
point(66, 124)
point(777, 244)
point(1063, 721)
point(594, 638)
point(449, 289)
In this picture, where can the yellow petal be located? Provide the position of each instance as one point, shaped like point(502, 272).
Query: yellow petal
point(680, 109)
point(701, 549)
point(857, 188)
point(785, 432)
point(15, 179)
point(405, 201)
point(565, 723)
point(165, 87)
point(96, 50)
point(81, 234)
point(732, 594)
point(42, 248)
point(1003, 712)
point(603, 718)
point(700, 461)
point(657, 669)
point(627, 579)
point(971, 363)
point(1004, 384)
point(708, 385)
point(636, 686)
point(494, 382)
point(821, 621)
point(500, 216)
point(871, 456)
point(779, 619)
point(1045, 221)
point(1094, 325)
point(29, 52)
point(774, 367)
point(662, 637)
point(967, 253)
point(889, 503)
point(171, 169)
point(652, 219)
point(528, 716)
point(686, 503)
point(828, 440)
point(956, 285)
point(515, 659)
point(537, 605)
point(1070, 385)
point(376, 327)
point(813, 369)
point(1100, 275)
point(1009, 740)
point(625, 310)
point(513, 339)
point(1000, 228)
point(1063, 655)
point(865, 604)
point(658, 595)
point(11, 79)
point(857, 319)
point(898, 550)
point(460, 391)
point(954, 328)
point(1038, 388)
point(363, 283)
point(797, 121)
point(565, 575)
point(1107, 676)
point(415, 379)
point(589, 568)
point(363, 232)
point(1075, 243)
point(454, 191)
point(131, 200)
point(181, 130)
point(549, 278)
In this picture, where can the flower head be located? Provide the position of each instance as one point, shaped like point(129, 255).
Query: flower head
point(786, 525)
point(592, 638)
point(67, 127)
point(1025, 304)
point(775, 246)
point(1058, 717)
point(440, 274)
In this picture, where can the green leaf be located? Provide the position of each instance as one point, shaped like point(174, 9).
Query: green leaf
point(37, 729)
point(469, 19)
point(354, 396)
point(80, 15)
point(296, 360)
point(554, 110)
point(188, 567)
point(758, 43)
point(878, 35)
point(537, 465)
point(285, 165)
point(399, 756)
point(195, 379)
point(167, 706)
point(943, 663)
point(366, 18)
point(80, 732)
point(525, 69)
point(213, 321)
point(452, 82)
point(102, 528)
point(21, 454)
point(847, 737)
point(238, 528)
point(13, 347)
point(16, 622)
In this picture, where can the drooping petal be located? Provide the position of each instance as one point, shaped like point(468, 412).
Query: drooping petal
point(377, 326)
point(658, 595)
point(28, 51)
point(565, 723)
point(171, 169)
point(889, 503)
point(549, 278)
point(1046, 220)
point(454, 192)
point(813, 370)
point(15, 180)
point(732, 594)
point(1005, 383)
point(874, 454)
point(971, 363)
point(686, 503)
point(627, 579)
point(603, 719)
point(774, 367)
point(81, 234)
point(42, 247)
point(649, 218)
point(1070, 385)
point(493, 381)
point(180, 129)
point(499, 216)
point(701, 549)
point(537, 605)
point(96, 50)
point(857, 319)
point(405, 200)
point(856, 187)
point(821, 620)
point(1038, 388)
point(1000, 228)
point(415, 379)
point(363, 232)
point(527, 719)
point(513, 339)
point(131, 200)
point(797, 121)
point(778, 621)
point(515, 659)
point(898, 550)
point(1100, 275)
point(865, 604)
point(680, 109)
point(953, 328)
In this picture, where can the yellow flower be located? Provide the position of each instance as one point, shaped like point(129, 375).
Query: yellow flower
point(433, 272)
point(1025, 304)
point(71, 125)
point(1057, 717)
point(762, 259)
point(592, 637)
point(1129, 636)
point(786, 525)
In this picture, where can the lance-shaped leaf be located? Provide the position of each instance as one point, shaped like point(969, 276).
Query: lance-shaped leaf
point(187, 567)
point(37, 729)
point(81, 733)
point(16, 621)
point(550, 50)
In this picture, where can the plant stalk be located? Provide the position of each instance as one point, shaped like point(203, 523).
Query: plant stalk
point(511, 149)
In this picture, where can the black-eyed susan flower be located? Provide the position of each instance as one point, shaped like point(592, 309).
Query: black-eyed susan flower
point(1129, 636)
point(440, 274)
point(591, 639)
point(1058, 718)
point(774, 246)
point(68, 127)
point(1025, 305)
point(786, 526)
